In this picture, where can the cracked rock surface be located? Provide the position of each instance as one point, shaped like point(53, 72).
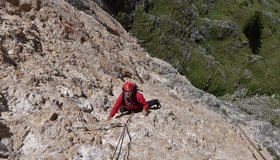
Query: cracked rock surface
point(62, 70)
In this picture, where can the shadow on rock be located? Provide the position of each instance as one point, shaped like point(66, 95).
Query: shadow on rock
point(5, 142)
point(3, 104)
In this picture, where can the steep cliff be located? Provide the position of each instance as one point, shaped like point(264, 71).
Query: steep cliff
point(61, 71)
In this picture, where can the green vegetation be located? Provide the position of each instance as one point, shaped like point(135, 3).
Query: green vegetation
point(224, 112)
point(78, 4)
point(220, 46)
point(243, 109)
point(275, 120)
point(273, 153)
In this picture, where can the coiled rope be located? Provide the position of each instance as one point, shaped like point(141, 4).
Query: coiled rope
point(121, 138)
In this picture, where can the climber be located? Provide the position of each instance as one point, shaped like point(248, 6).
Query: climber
point(131, 100)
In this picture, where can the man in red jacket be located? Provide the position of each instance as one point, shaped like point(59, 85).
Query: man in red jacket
point(131, 100)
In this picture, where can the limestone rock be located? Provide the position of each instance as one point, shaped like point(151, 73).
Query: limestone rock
point(62, 71)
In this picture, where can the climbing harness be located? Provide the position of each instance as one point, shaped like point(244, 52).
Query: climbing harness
point(120, 141)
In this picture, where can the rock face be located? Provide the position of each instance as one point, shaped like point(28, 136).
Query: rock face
point(62, 70)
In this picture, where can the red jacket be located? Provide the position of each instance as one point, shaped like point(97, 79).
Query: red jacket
point(130, 105)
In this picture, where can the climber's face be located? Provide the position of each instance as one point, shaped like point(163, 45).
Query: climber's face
point(128, 94)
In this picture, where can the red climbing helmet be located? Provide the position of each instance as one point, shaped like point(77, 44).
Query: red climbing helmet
point(128, 86)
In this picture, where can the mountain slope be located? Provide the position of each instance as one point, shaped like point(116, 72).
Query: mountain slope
point(62, 70)
point(221, 46)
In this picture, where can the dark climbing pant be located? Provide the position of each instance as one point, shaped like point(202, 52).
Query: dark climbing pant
point(150, 103)
point(154, 102)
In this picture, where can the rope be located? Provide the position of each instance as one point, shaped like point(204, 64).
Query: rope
point(129, 143)
point(120, 141)
point(250, 141)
